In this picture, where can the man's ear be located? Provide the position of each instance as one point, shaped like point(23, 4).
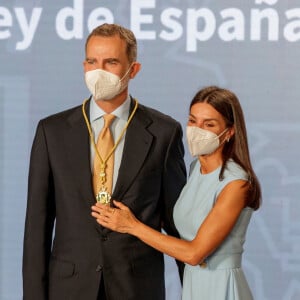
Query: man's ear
point(135, 69)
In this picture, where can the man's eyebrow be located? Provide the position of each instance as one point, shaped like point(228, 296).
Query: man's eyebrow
point(111, 59)
point(90, 58)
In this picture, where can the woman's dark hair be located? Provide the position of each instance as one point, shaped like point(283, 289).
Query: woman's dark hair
point(228, 105)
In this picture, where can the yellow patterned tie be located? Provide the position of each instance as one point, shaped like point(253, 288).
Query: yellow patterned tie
point(105, 144)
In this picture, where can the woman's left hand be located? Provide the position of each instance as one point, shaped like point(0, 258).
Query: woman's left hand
point(119, 219)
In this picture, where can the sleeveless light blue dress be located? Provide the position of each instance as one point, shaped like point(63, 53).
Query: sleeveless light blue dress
point(221, 277)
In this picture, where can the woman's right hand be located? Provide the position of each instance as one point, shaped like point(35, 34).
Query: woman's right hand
point(119, 219)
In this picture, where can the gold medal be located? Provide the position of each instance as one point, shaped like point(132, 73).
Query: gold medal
point(103, 196)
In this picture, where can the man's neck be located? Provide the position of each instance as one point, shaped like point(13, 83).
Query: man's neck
point(110, 105)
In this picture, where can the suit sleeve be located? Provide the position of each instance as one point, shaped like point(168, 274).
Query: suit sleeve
point(39, 222)
point(173, 181)
point(174, 178)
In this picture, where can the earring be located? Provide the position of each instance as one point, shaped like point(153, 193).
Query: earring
point(228, 139)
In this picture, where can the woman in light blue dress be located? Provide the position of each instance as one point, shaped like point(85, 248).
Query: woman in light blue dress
point(214, 209)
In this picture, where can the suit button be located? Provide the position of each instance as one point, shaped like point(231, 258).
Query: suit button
point(99, 268)
point(104, 238)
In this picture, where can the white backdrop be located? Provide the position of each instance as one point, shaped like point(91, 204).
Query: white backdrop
point(250, 47)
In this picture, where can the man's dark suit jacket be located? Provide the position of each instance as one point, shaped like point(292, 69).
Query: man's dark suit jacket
point(60, 196)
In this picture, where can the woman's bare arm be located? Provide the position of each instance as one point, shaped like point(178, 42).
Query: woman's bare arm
point(210, 235)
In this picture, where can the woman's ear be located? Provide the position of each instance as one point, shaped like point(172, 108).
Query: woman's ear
point(230, 133)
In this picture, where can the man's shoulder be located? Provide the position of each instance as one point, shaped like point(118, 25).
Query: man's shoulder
point(63, 115)
point(158, 116)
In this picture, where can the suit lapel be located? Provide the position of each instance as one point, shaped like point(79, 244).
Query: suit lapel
point(138, 141)
point(79, 150)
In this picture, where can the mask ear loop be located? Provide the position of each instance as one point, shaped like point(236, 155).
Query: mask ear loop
point(227, 140)
point(127, 71)
point(226, 129)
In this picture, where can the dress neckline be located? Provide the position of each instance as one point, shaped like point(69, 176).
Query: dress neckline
point(209, 173)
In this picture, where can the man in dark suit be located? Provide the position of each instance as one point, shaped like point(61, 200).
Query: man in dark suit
point(67, 255)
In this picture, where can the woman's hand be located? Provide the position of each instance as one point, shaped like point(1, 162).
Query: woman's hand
point(119, 219)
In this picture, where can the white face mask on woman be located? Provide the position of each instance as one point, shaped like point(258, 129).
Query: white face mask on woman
point(104, 85)
point(201, 141)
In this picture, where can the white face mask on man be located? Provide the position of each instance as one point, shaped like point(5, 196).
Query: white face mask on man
point(201, 141)
point(104, 85)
